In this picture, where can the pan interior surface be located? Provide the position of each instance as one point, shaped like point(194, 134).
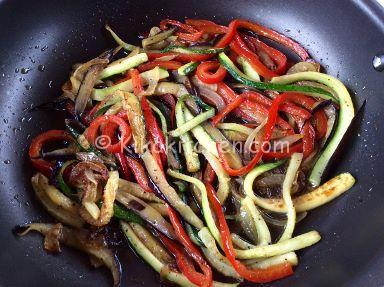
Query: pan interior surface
point(40, 40)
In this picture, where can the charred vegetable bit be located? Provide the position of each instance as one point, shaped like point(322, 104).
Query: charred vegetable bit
point(198, 126)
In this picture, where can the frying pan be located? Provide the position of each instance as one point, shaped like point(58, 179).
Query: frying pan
point(342, 35)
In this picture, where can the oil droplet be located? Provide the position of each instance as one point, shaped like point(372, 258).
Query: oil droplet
point(17, 70)
point(41, 68)
point(7, 161)
point(378, 62)
point(28, 87)
point(44, 48)
point(25, 70)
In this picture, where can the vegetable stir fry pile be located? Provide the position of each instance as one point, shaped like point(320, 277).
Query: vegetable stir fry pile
point(205, 143)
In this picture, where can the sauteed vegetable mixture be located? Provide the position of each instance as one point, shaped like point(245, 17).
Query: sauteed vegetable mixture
point(206, 144)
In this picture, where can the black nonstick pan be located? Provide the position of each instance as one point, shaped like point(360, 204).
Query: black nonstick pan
point(40, 40)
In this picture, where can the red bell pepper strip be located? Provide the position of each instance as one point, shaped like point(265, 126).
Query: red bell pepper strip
point(156, 154)
point(123, 166)
point(285, 107)
point(168, 65)
point(229, 108)
point(37, 145)
point(283, 154)
point(136, 81)
point(191, 249)
point(249, 110)
point(269, 126)
point(262, 31)
point(254, 275)
point(184, 263)
point(319, 117)
point(43, 166)
point(206, 26)
point(125, 130)
point(192, 35)
point(308, 139)
point(154, 131)
point(139, 173)
point(241, 49)
point(278, 58)
point(204, 74)
point(209, 174)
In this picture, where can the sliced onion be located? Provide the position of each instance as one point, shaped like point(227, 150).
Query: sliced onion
point(285, 142)
point(304, 67)
point(199, 84)
point(211, 97)
point(254, 137)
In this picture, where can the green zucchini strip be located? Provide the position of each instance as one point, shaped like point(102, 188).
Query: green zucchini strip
point(289, 257)
point(192, 50)
point(222, 176)
point(251, 176)
point(169, 192)
point(201, 135)
point(188, 68)
point(126, 86)
point(295, 243)
point(190, 124)
point(120, 42)
point(156, 264)
point(209, 220)
point(290, 176)
point(249, 71)
point(238, 75)
point(191, 156)
point(122, 65)
point(213, 255)
point(346, 115)
point(235, 127)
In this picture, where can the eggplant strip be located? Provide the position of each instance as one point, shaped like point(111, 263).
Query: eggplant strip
point(136, 120)
point(153, 245)
point(135, 189)
point(146, 212)
point(82, 240)
point(108, 198)
point(169, 192)
point(308, 201)
point(72, 218)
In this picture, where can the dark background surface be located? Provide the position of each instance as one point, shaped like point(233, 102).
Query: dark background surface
point(342, 35)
